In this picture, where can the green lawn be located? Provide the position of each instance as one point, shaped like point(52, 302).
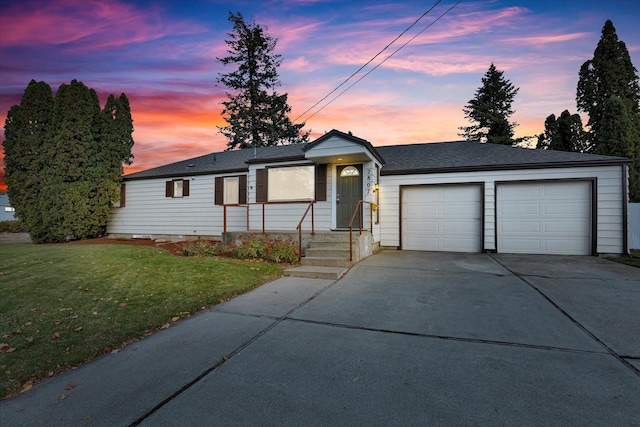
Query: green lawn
point(633, 260)
point(63, 304)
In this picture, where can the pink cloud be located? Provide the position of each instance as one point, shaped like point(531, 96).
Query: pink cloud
point(80, 21)
point(547, 39)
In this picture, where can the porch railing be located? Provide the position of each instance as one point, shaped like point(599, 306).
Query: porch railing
point(224, 227)
point(299, 227)
point(356, 211)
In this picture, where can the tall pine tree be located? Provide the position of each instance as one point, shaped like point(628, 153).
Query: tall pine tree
point(256, 114)
point(563, 134)
point(608, 84)
point(490, 109)
point(64, 159)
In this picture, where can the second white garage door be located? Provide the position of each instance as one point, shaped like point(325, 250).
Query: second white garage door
point(544, 218)
point(442, 218)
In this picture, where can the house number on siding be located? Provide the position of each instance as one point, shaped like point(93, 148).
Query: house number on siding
point(369, 181)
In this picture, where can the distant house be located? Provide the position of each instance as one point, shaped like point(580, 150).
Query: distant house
point(450, 196)
point(6, 211)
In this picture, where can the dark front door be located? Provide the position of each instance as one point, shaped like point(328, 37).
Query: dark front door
point(348, 193)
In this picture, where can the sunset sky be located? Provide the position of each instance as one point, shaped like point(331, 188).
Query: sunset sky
point(162, 54)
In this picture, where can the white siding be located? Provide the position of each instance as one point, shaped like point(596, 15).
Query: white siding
point(337, 147)
point(147, 211)
point(609, 199)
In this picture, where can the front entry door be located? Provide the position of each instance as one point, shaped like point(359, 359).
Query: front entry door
point(348, 193)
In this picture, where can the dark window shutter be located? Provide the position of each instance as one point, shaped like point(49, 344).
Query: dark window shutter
point(123, 194)
point(261, 185)
point(321, 183)
point(242, 188)
point(168, 189)
point(185, 188)
point(218, 191)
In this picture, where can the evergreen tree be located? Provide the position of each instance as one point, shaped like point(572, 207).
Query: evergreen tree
point(490, 109)
point(617, 136)
point(607, 84)
point(563, 134)
point(610, 72)
point(256, 114)
point(75, 163)
point(26, 129)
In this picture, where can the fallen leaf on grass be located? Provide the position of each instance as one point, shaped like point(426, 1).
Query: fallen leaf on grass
point(55, 336)
point(78, 329)
point(165, 326)
point(4, 346)
point(29, 339)
point(27, 386)
point(122, 304)
point(175, 319)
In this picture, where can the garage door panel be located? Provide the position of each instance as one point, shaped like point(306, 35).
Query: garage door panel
point(564, 208)
point(442, 218)
point(556, 221)
point(521, 226)
point(459, 227)
point(574, 228)
point(528, 245)
point(520, 209)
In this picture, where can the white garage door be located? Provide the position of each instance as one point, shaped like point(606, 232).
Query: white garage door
point(442, 218)
point(544, 218)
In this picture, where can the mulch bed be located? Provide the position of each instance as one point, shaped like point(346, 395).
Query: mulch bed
point(174, 248)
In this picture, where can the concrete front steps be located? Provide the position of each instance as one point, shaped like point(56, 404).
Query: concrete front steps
point(327, 257)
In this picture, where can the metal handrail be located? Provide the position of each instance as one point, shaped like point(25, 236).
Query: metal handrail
point(299, 227)
point(358, 209)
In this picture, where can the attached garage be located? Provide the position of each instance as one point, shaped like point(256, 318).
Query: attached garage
point(545, 217)
point(442, 218)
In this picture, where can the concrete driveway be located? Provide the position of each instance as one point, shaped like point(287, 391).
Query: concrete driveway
point(405, 338)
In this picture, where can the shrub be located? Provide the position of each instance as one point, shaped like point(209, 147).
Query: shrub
point(279, 251)
point(205, 248)
point(13, 226)
point(249, 246)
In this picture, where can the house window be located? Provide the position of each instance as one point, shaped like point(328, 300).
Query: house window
point(264, 177)
point(350, 171)
point(9, 209)
point(231, 190)
point(291, 183)
point(177, 188)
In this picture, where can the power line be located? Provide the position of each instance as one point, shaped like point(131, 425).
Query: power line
point(369, 62)
point(379, 64)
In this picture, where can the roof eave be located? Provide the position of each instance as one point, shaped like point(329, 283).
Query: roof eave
point(484, 168)
point(183, 174)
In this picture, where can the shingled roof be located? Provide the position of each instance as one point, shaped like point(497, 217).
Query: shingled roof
point(463, 156)
point(223, 162)
point(457, 156)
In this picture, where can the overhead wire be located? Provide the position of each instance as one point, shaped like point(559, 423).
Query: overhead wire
point(380, 63)
point(369, 61)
